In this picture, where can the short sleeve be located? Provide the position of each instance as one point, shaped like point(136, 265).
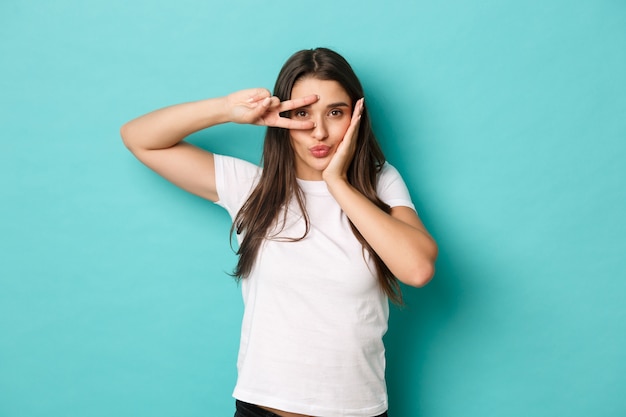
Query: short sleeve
point(234, 180)
point(391, 188)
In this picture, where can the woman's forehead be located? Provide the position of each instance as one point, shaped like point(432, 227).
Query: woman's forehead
point(327, 90)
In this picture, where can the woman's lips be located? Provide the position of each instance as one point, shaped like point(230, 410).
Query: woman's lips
point(320, 151)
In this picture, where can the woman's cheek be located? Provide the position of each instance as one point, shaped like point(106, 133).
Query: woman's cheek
point(342, 127)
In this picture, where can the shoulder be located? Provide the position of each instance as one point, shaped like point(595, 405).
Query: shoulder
point(229, 165)
point(234, 180)
point(391, 188)
point(388, 173)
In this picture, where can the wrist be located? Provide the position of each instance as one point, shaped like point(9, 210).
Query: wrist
point(337, 184)
point(219, 110)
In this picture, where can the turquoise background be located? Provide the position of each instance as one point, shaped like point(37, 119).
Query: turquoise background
point(506, 118)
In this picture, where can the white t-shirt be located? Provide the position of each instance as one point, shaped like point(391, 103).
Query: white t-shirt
point(314, 317)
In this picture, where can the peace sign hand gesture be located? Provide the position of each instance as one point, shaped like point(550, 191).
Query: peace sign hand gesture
point(257, 106)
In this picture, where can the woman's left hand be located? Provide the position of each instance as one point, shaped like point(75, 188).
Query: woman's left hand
point(338, 165)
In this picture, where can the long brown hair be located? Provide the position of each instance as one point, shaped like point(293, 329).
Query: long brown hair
point(278, 185)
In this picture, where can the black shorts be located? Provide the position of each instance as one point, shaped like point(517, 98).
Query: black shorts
point(251, 410)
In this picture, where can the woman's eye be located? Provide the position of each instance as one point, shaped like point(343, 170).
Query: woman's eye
point(300, 113)
point(336, 113)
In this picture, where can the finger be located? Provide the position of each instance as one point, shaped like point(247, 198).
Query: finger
point(290, 124)
point(296, 103)
point(274, 102)
point(258, 94)
point(353, 129)
point(356, 116)
point(358, 108)
point(258, 109)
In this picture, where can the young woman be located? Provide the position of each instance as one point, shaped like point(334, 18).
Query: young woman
point(325, 226)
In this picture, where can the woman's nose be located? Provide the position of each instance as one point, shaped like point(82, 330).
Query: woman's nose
point(320, 131)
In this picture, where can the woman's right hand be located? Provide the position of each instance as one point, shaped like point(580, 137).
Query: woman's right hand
point(257, 106)
point(156, 138)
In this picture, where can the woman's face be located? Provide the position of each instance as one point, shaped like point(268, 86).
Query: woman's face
point(331, 114)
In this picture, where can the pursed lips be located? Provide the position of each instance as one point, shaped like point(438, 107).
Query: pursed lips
point(320, 151)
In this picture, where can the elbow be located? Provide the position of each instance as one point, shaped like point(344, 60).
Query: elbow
point(124, 134)
point(129, 139)
point(420, 275)
point(421, 270)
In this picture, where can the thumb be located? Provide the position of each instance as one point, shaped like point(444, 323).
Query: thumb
point(259, 109)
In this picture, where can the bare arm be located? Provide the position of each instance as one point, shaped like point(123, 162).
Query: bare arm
point(399, 238)
point(156, 138)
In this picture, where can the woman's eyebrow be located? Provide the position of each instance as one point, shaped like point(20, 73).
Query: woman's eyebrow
point(337, 104)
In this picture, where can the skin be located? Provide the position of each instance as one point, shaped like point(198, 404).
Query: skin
point(332, 115)
point(322, 114)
